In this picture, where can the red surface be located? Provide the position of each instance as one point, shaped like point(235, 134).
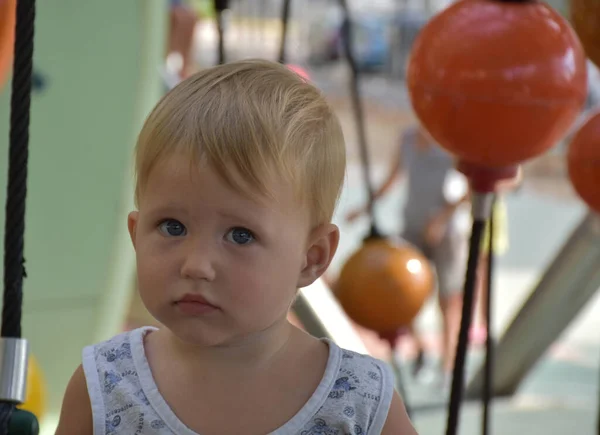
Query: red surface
point(497, 83)
point(583, 160)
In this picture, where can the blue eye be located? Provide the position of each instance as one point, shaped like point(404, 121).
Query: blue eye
point(172, 228)
point(240, 236)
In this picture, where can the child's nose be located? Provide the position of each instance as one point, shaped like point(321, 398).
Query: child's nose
point(198, 265)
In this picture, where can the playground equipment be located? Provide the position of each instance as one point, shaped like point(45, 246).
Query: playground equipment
point(583, 162)
point(583, 159)
point(14, 348)
point(384, 285)
point(495, 83)
point(380, 273)
point(572, 277)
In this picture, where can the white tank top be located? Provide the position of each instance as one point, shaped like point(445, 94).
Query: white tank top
point(353, 397)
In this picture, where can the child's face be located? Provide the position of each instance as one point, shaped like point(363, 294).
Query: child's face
point(195, 236)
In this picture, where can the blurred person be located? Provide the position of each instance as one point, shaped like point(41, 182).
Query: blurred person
point(182, 24)
point(436, 221)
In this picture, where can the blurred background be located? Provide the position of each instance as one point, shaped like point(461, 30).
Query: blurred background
point(100, 66)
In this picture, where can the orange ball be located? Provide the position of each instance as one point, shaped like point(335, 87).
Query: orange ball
point(497, 83)
point(583, 162)
point(383, 286)
point(7, 37)
point(585, 16)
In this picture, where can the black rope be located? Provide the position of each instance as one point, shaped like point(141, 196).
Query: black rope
point(359, 117)
point(14, 229)
point(285, 18)
point(220, 6)
point(465, 324)
point(488, 379)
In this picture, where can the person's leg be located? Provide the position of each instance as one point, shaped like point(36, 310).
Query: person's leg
point(181, 35)
point(451, 261)
point(479, 331)
point(451, 309)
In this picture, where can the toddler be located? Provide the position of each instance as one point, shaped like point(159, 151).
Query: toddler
point(239, 169)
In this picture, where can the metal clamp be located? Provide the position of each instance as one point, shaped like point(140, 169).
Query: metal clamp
point(482, 205)
point(13, 369)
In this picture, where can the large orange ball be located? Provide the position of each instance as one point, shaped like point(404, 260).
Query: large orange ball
point(583, 162)
point(7, 37)
point(383, 285)
point(497, 83)
point(585, 16)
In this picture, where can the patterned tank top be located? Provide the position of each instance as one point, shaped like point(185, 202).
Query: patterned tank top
point(353, 397)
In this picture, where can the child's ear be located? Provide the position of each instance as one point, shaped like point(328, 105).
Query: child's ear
point(323, 242)
point(132, 220)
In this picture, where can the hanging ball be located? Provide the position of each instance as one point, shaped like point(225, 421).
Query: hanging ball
point(585, 16)
point(383, 285)
point(7, 37)
point(35, 397)
point(497, 82)
point(583, 162)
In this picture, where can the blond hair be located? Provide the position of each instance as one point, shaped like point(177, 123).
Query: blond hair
point(255, 119)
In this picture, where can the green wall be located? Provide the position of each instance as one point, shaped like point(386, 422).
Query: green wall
point(101, 61)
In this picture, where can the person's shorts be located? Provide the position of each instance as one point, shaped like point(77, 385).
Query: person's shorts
point(449, 259)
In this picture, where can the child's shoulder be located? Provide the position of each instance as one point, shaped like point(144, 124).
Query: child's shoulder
point(374, 374)
point(118, 346)
point(359, 394)
point(115, 353)
point(115, 374)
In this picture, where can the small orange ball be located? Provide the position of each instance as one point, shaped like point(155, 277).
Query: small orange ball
point(583, 162)
point(384, 285)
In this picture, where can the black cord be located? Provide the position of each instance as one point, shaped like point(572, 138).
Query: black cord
point(18, 156)
point(359, 116)
point(488, 378)
point(465, 324)
point(14, 231)
point(285, 17)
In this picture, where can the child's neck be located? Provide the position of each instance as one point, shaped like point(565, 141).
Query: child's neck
point(255, 351)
